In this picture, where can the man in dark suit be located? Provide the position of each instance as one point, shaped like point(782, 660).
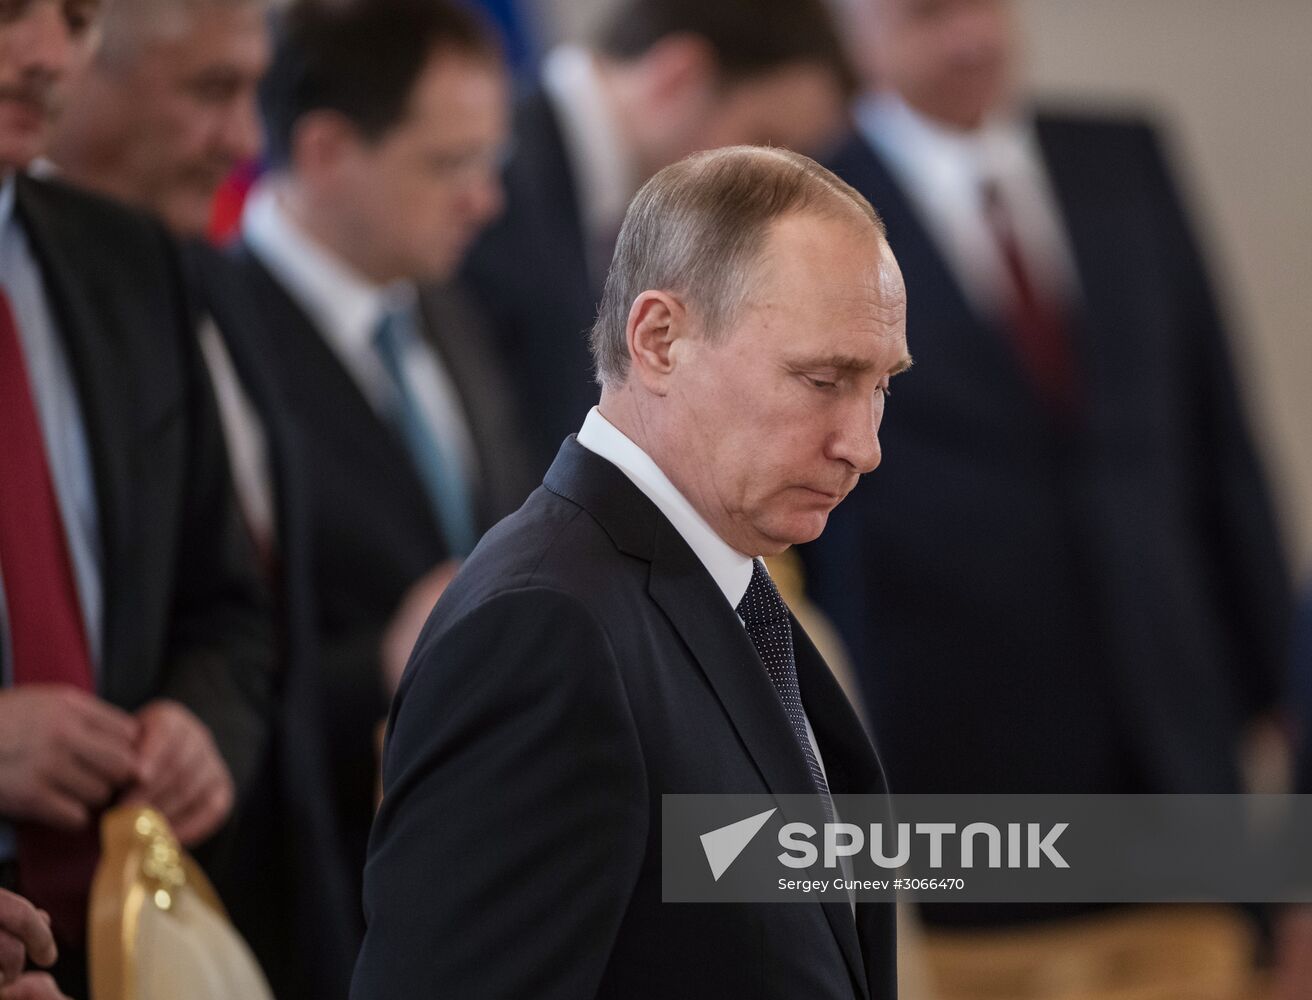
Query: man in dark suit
point(166, 110)
point(1070, 570)
point(588, 658)
point(385, 123)
point(660, 79)
point(133, 630)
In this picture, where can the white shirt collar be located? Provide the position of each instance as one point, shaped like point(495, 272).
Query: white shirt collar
point(731, 570)
point(914, 144)
point(942, 170)
point(344, 305)
point(604, 175)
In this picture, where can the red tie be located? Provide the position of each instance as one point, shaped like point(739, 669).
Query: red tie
point(47, 637)
point(1038, 324)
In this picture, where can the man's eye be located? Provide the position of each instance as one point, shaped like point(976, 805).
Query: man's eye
point(821, 383)
point(80, 17)
point(14, 10)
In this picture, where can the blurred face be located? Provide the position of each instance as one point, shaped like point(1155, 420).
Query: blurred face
point(952, 60)
point(415, 199)
point(777, 421)
point(42, 44)
point(797, 107)
point(165, 123)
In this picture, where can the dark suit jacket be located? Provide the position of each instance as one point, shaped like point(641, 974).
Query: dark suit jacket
point(530, 273)
point(583, 664)
point(1301, 686)
point(185, 614)
point(293, 891)
point(1094, 608)
point(372, 530)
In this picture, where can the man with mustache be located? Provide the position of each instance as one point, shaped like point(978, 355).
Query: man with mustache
point(165, 112)
point(134, 644)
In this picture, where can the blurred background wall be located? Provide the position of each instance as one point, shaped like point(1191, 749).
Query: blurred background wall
point(1233, 81)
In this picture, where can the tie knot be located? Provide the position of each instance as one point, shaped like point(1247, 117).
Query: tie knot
point(762, 602)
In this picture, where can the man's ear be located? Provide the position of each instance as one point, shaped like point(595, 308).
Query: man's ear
point(321, 142)
point(657, 321)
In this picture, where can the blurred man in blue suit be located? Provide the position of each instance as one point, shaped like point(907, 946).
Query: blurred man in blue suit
point(1070, 569)
point(659, 79)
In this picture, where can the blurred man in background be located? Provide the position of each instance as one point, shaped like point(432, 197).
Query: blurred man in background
point(1070, 569)
point(133, 630)
point(385, 120)
point(658, 80)
point(163, 115)
point(166, 109)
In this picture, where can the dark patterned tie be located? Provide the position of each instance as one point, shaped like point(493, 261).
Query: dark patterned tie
point(770, 627)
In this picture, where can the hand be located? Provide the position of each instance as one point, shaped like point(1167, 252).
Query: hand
point(32, 986)
point(181, 772)
point(24, 933)
point(408, 621)
point(63, 754)
point(1293, 978)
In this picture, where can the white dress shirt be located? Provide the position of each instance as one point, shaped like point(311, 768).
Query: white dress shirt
point(243, 433)
point(605, 177)
point(943, 171)
point(729, 568)
point(346, 310)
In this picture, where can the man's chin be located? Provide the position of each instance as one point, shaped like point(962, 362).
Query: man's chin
point(19, 145)
point(800, 528)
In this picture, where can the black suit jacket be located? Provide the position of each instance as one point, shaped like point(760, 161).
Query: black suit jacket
point(185, 615)
point(583, 664)
point(372, 531)
point(293, 890)
point(1095, 608)
point(530, 273)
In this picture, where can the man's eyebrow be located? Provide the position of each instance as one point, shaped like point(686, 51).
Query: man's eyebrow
point(846, 364)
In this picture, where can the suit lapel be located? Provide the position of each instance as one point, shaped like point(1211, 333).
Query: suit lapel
point(545, 180)
point(445, 329)
point(1093, 214)
point(97, 373)
point(682, 588)
point(852, 768)
point(320, 388)
point(976, 343)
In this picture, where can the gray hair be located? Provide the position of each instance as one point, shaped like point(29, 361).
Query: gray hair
point(697, 230)
point(125, 25)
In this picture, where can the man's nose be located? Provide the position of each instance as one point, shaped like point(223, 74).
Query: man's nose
point(242, 138)
point(856, 440)
point(46, 44)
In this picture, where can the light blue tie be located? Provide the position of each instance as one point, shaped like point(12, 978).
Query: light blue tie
point(440, 471)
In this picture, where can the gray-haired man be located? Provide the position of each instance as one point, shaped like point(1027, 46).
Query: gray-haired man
point(588, 657)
